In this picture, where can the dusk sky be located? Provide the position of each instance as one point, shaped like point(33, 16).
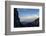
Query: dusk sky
point(28, 14)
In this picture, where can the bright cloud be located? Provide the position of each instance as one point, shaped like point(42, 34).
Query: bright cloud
point(28, 18)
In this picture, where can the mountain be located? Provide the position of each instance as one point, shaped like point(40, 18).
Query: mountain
point(33, 24)
point(17, 22)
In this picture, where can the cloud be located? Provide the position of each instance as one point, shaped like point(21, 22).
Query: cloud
point(28, 18)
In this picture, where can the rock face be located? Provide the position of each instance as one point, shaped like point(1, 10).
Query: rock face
point(36, 22)
point(17, 22)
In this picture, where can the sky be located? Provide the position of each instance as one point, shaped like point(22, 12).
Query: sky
point(26, 14)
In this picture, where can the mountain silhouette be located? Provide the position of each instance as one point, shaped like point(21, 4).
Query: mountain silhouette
point(17, 22)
